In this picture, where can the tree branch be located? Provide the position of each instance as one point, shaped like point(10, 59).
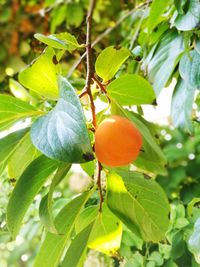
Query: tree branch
point(106, 32)
point(89, 60)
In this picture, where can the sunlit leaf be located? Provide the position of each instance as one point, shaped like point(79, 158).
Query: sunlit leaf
point(63, 40)
point(131, 89)
point(62, 133)
point(13, 110)
point(106, 233)
point(8, 145)
point(109, 61)
point(140, 204)
point(41, 75)
point(156, 10)
point(24, 153)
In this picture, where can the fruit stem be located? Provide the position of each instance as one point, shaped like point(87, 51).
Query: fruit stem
point(99, 186)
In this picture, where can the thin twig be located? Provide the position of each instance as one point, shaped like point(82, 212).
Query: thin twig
point(89, 60)
point(105, 33)
point(99, 186)
point(84, 92)
point(100, 85)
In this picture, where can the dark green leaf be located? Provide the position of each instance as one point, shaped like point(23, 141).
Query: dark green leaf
point(45, 210)
point(41, 75)
point(63, 40)
point(13, 110)
point(53, 246)
point(179, 6)
point(140, 204)
point(162, 60)
point(181, 107)
point(77, 248)
point(25, 190)
point(131, 89)
point(190, 20)
point(189, 69)
point(109, 61)
point(178, 245)
point(62, 133)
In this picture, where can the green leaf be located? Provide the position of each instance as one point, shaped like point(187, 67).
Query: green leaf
point(58, 15)
point(19, 91)
point(151, 158)
point(109, 61)
point(13, 110)
point(179, 6)
point(87, 216)
point(74, 14)
point(190, 20)
point(45, 210)
point(62, 133)
point(41, 75)
point(163, 59)
point(194, 241)
point(140, 204)
point(24, 153)
point(181, 107)
point(63, 40)
point(106, 233)
point(131, 89)
point(26, 189)
point(77, 247)
point(53, 246)
point(189, 68)
point(178, 245)
point(157, 9)
point(157, 258)
point(8, 145)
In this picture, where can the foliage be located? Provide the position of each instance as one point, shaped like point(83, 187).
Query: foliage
point(150, 213)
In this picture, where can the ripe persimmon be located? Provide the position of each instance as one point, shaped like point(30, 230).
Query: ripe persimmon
point(117, 141)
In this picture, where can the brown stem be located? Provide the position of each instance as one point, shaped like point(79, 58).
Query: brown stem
point(89, 60)
point(102, 88)
point(100, 85)
point(99, 186)
point(105, 33)
point(84, 92)
point(88, 86)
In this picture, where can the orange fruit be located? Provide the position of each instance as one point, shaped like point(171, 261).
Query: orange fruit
point(117, 141)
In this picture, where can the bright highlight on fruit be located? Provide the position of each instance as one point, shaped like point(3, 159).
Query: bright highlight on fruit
point(117, 141)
